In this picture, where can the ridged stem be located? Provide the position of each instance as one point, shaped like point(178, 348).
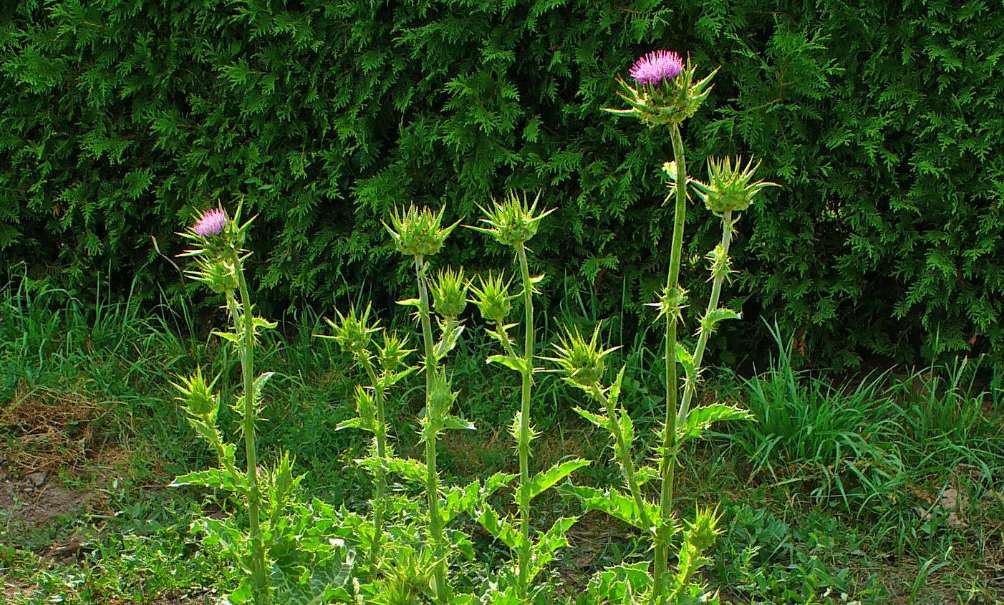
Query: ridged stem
point(702, 339)
point(623, 452)
point(432, 477)
point(259, 578)
point(524, 424)
point(668, 464)
point(380, 484)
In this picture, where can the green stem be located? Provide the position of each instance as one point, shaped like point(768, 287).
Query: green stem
point(432, 477)
point(380, 485)
point(524, 424)
point(258, 571)
point(702, 339)
point(668, 464)
point(623, 452)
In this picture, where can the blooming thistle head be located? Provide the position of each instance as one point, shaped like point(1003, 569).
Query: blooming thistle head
point(665, 91)
point(730, 186)
point(580, 361)
point(210, 223)
point(418, 231)
point(492, 298)
point(513, 221)
point(656, 67)
point(393, 352)
point(217, 247)
point(353, 331)
point(449, 293)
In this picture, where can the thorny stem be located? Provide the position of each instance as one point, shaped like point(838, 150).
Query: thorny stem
point(728, 228)
point(668, 463)
point(524, 423)
point(623, 452)
point(380, 486)
point(432, 477)
point(258, 571)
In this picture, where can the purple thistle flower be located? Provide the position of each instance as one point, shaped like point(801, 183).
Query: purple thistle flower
point(656, 67)
point(211, 223)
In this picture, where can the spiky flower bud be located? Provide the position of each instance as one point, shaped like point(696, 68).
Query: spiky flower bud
point(492, 298)
point(672, 301)
point(730, 186)
point(441, 395)
point(418, 231)
point(198, 397)
point(353, 331)
point(703, 530)
point(449, 293)
point(393, 352)
point(664, 91)
point(365, 408)
point(512, 221)
point(580, 362)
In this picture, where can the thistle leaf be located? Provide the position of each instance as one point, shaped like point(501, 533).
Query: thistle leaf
point(544, 480)
point(613, 503)
point(699, 419)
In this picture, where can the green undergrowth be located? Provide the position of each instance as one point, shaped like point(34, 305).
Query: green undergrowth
point(885, 488)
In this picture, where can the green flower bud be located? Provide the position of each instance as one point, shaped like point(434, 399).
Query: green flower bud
point(581, 362)
point(197, 396)
point(393, 352)
point(667, 102)
point(365, 408)
point(418, 232)
point(353, 331)
point(730, 186)
point(703, 530)
point(512, 221)
point(441, 395)
point(449, 293)
point(492, 298)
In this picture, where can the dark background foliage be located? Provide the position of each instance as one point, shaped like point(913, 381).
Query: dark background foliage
point(883, 120)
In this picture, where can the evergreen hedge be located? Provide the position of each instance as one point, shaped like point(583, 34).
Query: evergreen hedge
point(883, 120)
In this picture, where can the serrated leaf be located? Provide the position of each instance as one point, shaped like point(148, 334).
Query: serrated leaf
point(352, 423)
point(545, 480)
point(549, 543)
point(410, 470)
point(410, 302)
point(717, 315)
point(215, 478)
point(699, 419)
point(685, 359)
point(516, 364)
point(500, 529)
point(455, 423)
point(599, 420)
point(228, 336)
point(613, 503)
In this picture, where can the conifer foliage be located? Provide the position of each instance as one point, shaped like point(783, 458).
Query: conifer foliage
point(118, 118)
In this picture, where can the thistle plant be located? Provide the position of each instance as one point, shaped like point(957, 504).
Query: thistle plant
point(219, 255)
point(513, 222)
point(288, 553)
point(384, 367)
point(419, 234)
point(665, 92)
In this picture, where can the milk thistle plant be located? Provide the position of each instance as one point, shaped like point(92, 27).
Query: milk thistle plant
point(288, 552)
point(219, 256)
point(419, 234)
point(384, 367)
point(665, 91)
point(513, 222)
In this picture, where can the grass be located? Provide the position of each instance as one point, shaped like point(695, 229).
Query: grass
point(884, 489)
